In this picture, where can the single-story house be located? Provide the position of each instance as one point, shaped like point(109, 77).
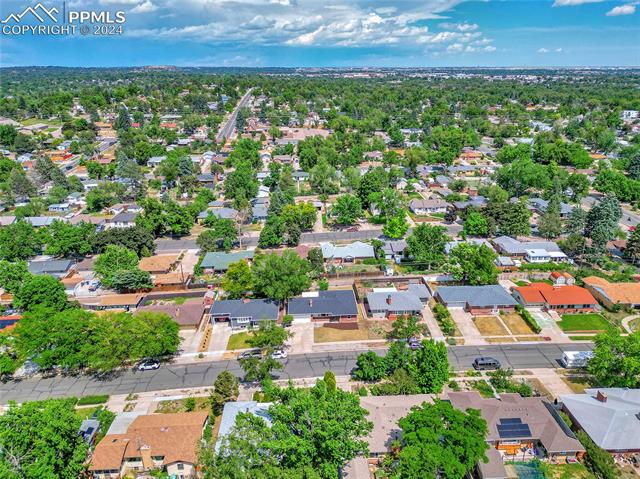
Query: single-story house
point(215, 262)
point(474, 202)
point(259, 212)
point(610, 416)
point(151, 442)
point(231, 411)
point(207, 180)
point(476, 299)
point(427, 207)
point(476, 241)
point(519, 426)
point(610, 294)
point(125, 219)
point(346, 253)
point(113, 301)
point(532, 251)
point(504, 263)
point(221, 213)
point(334, 306)
point(539, 205)
point(394, 250)
point(244, 313)
point(41, 221)
point(188, 315)
point(59, 208)
point(392, 304)
point(300, 176)
point(162, 263)
point(563, 299)
point(60, 268)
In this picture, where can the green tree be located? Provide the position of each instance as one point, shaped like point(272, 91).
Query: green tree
point(439, 440)
point(632, 250)
point(136, 238)
point(65, 239)
point(431, 367)
point(113, 260)
point(474, 264)
point(602, 222)
point(475, 224)
point(599, 461)
point(272, 234)
point(40, 290)
point(347, 209)
point(405, 327)
point(237, 280)
point(39, 439)
point(426, 244)
point(550, 223)
point(511, 219)
point(577, 221)
point(323, 178)
point(616, 360)
point(268, 337)
point(127, 280)
point(19, 241)
point(222, 236)
point(396, 227)
point(225, 389)
point(12, 275)
point(370, 367)
point(281, 277)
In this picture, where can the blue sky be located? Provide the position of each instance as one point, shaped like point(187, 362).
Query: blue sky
point(342, 33)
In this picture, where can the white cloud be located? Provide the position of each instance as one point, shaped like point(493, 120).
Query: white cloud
point(461, 27)
point(144, 7)
point(629, 9)
point(573, 3)
point(549, 50)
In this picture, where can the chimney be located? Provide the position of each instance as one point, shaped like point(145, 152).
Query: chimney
point(389, 299)
point(602, 397)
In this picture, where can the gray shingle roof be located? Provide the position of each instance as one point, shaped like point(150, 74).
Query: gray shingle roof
point(239, 308)
point(356, 249)
point(50, 266)
point(612, 425)
point(476, 296)
point(400, 301)
point(513, 246)
point(224, 213)
point(338, 302)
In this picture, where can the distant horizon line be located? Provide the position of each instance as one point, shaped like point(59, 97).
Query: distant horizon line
point(371, 67)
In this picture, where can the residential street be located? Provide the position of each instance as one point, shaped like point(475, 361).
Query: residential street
point(521, 356)
point(227, 129)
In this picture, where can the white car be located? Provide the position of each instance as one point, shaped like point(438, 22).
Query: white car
point(149, 365)
point(279, 354)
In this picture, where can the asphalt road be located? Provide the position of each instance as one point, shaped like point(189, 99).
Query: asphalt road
point(306, 238)
point(520, 356)
point(227, 129)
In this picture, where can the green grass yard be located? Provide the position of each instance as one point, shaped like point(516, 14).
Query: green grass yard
point(238, 341)
point(584, 322)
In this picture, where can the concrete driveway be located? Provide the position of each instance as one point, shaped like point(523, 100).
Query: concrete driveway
point(464, 321)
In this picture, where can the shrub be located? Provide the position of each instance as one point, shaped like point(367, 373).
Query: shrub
point(95, 399)
point(599, 461)
point(287, 320)
point(362, 391)
point(443, 317)
point(370, 367)
point(190, 404)
point(453, 385)
point(526, 315)
point(323, 284)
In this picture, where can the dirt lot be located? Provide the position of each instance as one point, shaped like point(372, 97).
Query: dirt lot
point(489, 326)
point(366, 330)
point(516, 324)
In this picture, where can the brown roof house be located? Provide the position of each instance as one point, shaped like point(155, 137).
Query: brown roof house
point(384, 413)
point(610, 294)
point(522, 428)
point(167, 442)
point(188, 315)
point(159, 264)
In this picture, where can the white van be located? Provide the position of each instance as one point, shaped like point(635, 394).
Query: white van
point(576, 359)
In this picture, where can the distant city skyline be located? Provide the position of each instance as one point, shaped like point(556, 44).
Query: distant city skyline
point(340, 33)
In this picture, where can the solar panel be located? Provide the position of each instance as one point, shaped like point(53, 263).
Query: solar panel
point(510, 420)
point(513, 430)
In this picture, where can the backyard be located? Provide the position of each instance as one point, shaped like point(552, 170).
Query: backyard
point(590, 322)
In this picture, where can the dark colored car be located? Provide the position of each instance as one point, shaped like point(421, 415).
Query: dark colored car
point(415, 344)
point(483, 363)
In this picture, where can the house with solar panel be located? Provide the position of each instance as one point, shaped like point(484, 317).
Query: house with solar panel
point(521, 429)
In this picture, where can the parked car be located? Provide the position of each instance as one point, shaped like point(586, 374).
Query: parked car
point(353, 229)
point(415, 344)
point(279, 354)
point(149, 365)
point(480, 364)
point(252, 353)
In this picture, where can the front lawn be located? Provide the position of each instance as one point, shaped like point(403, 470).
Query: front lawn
point(516, 324)
point(490, 326)
point(238, 341)
point(584, 322)
point(367, 330)
point(183, 405)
